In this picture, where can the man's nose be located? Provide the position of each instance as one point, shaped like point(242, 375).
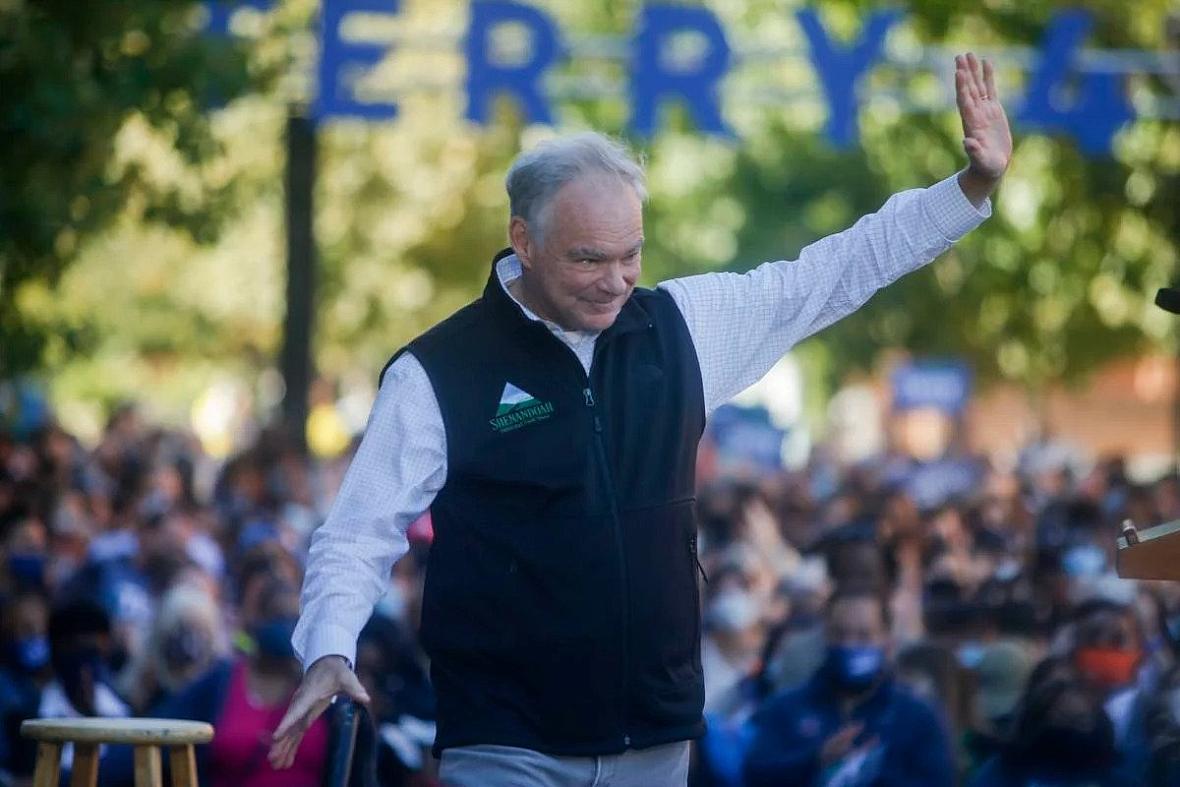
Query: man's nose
point(614, 279)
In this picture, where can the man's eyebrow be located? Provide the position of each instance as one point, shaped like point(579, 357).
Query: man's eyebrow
point(587, 253)
point(592, 253)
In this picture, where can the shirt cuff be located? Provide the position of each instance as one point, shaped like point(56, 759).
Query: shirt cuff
point(951, 211)
point(327, 639)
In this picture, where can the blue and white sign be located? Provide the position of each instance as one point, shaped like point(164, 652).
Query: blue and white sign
point(943, 385)
point(746, 438)
point(1082, 93)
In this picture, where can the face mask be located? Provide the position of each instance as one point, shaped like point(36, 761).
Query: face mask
point(273, 638)
point(1083, 560)
point(182, 648)
point(27, 570)
point(1007, 569)
point(733, 610)
point(970, 654)
point(392, 605)
point(30, 653)
point(1108, 667)
point(854, 668)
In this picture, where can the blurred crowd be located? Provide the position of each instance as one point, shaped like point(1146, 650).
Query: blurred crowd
point(857, 628)
point(142, 578)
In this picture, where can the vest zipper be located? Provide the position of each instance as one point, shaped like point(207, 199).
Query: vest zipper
point(623, 583)
point(696, 555)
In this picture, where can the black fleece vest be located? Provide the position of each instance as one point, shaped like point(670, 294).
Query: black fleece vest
point(561, 608)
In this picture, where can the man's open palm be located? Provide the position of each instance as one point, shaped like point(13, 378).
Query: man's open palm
point(986, 136)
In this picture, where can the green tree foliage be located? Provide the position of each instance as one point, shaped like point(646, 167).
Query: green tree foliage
point(80, 85)
point(409, 212)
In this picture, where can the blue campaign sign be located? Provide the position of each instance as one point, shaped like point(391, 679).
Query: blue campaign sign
point(744, 436)
point(944, 385)
point(1060, 98)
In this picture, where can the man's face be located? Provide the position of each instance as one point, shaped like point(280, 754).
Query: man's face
point(856, 622)
point(584, 268)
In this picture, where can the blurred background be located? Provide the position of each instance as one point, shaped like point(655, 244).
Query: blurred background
point(218, 221)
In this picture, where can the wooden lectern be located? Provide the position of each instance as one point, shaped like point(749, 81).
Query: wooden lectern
point(1151, 553)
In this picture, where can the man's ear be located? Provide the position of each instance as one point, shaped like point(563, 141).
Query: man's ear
point(522, 242)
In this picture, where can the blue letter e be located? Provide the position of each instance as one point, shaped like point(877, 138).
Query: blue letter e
point(486, 78)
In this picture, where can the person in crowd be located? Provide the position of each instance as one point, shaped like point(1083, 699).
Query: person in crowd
point(852, 723)
point(24, 672)
point(390, 667)
point(186, 637)
point(1108, 652)
point(1001, 674)
point(244, 698)
point(732, 644)
point(80, 646)
point(1060, 736)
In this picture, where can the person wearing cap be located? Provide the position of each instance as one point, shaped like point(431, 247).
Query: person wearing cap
point(1000, 677)
point(551, 427)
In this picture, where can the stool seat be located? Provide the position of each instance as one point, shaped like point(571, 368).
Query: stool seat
point(152, 732)
point(148, 736)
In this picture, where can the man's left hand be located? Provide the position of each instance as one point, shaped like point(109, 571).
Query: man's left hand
point(986, 136)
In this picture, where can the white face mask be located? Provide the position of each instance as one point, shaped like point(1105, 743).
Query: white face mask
point(732, 610)
point(392, 605)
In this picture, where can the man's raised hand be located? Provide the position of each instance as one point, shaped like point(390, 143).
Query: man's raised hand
point(986, 136)
point(326, 678)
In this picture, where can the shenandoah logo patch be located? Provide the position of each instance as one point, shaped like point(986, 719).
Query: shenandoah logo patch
point(519, 408)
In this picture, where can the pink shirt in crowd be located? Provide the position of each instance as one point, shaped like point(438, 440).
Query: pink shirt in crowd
point(237, 755)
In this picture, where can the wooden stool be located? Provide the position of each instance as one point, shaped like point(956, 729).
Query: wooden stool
point(146, 735)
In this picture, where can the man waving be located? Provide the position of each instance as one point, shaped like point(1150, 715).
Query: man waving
point(551, 427)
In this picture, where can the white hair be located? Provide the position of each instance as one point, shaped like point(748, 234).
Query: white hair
point(538, 174)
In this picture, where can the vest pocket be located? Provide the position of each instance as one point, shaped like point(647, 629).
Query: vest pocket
point(666, 683)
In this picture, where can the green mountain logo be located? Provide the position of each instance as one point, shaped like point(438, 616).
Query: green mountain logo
point(519, 408)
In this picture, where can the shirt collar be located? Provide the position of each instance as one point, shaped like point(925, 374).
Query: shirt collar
point(509, 270)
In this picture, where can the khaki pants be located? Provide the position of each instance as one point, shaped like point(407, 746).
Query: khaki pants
point(507, 766)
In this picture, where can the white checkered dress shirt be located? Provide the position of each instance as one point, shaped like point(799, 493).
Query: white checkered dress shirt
point(740, 324)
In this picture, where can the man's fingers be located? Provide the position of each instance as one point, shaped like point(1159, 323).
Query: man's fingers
point(284, 728)
point(280, 750)
point(354, 689)
point(989, 80)
point(963, 96)
point(977, 86)
point(289, 755)
point(965, 79)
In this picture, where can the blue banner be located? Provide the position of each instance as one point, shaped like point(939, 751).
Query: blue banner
point(943, 385)
point(1060, 98)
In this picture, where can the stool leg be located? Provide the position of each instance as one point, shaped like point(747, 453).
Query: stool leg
point(147, 767)
point(48, 770)
point(85, 770)
point(183, 760)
